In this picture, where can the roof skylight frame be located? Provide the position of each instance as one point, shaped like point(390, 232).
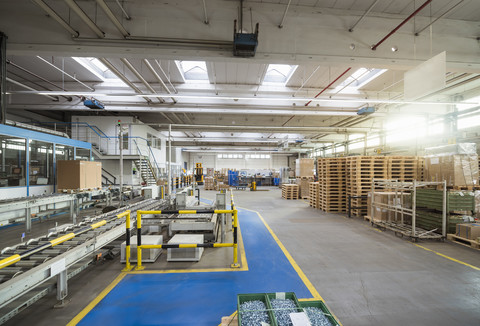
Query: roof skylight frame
point(193, 70)
point(284, 73)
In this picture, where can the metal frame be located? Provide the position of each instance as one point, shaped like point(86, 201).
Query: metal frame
point(400, 187)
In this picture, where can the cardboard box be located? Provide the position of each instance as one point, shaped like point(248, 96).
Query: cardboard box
point(388, 198)
point(304, 167)
point(79, 175)
point(468, 230)
point(460, 170)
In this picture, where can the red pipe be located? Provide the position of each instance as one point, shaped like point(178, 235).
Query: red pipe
point(401, 24)
point(328, 86)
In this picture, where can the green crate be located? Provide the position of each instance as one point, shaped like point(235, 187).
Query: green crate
point(456, 200)
point(288, 295)
point(241, 298)
point(323, 307)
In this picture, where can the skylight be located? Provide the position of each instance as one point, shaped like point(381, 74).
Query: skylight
point(95, 67)
point(194, 70)
point(278, 74)
point(361, 77)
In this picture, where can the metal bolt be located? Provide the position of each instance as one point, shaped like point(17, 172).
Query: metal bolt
point(282, 310)
point(253, 313)
point(317, 316)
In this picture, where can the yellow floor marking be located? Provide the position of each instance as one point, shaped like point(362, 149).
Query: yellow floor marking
point(95, 301)
point(297, 268)
point(448, 257)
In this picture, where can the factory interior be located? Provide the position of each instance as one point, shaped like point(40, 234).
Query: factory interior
point(240, 162)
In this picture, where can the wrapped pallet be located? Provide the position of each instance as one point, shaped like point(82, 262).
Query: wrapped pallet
point(304, 183)
point(304, 167)
point(457, 164)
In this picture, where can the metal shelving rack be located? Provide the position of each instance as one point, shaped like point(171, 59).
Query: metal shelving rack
point(400, 209)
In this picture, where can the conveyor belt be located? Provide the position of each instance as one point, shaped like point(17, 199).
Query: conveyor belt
point(24, 263)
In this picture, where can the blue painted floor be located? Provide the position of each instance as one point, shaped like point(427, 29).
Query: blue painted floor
point(200, 298)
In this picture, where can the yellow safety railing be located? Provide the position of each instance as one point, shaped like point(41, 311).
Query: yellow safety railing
point(233, 245)
point(126, 214)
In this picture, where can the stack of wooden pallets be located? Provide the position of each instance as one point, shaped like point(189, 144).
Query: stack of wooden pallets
point(360, 172)
point(331, 177)
point(314, 194)
point(290, 191)
point(403, 168)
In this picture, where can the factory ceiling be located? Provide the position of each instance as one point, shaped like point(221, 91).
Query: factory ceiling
point(316, 65)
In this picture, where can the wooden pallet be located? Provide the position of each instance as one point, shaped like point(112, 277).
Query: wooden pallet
point(464, 241)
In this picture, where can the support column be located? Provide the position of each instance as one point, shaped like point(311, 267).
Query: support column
point(62, 288)
point(28, 219)
point(73, 211)
point(120, 147)
point(3, 77)
point(169, 184)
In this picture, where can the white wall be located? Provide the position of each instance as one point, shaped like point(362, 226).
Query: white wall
point(210, 160)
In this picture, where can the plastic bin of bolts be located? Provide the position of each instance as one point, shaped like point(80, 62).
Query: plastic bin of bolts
point(253, 309)
point(318, 313)
point(283, 304)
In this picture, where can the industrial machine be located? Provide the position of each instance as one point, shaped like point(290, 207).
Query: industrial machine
point(253, 186)
point(199, 173)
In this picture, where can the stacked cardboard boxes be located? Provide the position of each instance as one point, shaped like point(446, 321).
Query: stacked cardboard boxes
point(469, 231)
point(209, 183)
point(383, 198)
point(304, 167)
point(457, 164)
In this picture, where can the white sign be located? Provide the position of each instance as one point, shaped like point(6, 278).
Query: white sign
point(280, 295)
point(57, 267)
point(300, 319)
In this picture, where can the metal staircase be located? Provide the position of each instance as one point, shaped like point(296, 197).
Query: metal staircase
point(146, 171)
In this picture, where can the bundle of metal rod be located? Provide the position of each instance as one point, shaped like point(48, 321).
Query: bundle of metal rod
point(234, 245)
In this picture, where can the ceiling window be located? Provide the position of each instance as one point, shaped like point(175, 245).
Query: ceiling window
point(194, 70)
point(360, 78)
point(96, 67)
point(278, 74)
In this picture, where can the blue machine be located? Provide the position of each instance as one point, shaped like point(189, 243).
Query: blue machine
point(276, 181)
point(244, 44)
point(366, 110)
point(93, 104)
point(233, 178)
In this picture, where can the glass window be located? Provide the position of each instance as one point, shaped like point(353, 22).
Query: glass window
point(63, 153)
point(219, 156)
point(12, 161)
point(41, 163)
point(82, 154)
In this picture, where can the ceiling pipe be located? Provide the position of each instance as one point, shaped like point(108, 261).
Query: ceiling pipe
point(127, 17)
point(374, 47)
point(53, 98)
point(140, 77)
point(439, 17)
point(68, 98)
point(34, 83)
point(112, 18)
point(166, 76)
point(323, 90)
point(306, 81)
point(329, 85)
point(57, 18)
point(157, 76)
point(74, 6)
point(117, 73)
point(181, 127)
point(284, 14)
point(363, 16)
point(66, 74)
point(205, 12)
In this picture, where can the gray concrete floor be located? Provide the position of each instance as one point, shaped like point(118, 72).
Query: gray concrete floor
point(367, 277)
